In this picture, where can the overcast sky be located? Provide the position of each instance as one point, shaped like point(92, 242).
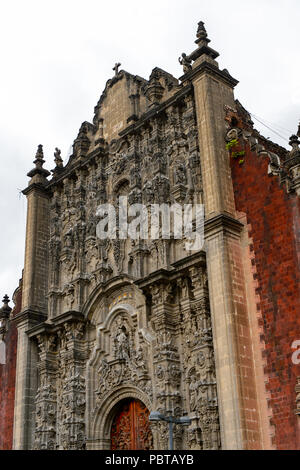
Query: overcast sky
point(57, 56)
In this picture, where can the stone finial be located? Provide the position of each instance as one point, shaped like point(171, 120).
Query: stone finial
point(291, 167)
point(201, 33)
point(6, 309)
point(294, 143)
point(40, 154)
point(202, 42)
point(39, 162)
point(82, 142)
point(298, 133)
point(154, 90)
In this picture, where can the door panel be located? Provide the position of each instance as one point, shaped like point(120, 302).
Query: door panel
point(131, 429)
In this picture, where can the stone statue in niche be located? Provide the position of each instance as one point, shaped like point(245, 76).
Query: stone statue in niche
point(148, 192)
point(139, 359)
point(68, 239)
point(180, 175)
point(193, 387)
point(122, 349)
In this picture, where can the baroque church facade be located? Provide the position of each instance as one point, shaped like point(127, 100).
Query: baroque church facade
point(105, 331)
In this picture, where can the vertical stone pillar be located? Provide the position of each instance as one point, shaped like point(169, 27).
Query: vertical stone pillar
point(213, 91)
point(211, 94)
point(71, 388)
point(34, 301)
point(46, 399)
point(166, 359)
point(35, 280)
point(26, 383)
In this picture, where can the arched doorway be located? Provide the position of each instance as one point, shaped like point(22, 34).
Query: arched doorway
point(130, 427)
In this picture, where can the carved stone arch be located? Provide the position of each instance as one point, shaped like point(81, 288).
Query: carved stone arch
point(99, 348)
point(103, 290)
point(96, 302)
point(122, 182)
point(118, 309)
point(102, 422)
point(121, 315)
point(114, 365)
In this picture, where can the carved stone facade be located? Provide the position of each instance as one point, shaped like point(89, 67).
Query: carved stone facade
point(106, 321)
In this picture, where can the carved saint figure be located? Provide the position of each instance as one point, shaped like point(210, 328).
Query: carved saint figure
point(121, 344)
point(193, 393)
point(180, 176)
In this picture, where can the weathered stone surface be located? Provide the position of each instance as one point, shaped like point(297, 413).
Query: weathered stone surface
point(106, 320)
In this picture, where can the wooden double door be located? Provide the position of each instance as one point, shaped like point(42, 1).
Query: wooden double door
point(131, 428)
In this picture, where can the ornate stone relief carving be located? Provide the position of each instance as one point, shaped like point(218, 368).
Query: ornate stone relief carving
point(125, 362)
point(162, 346)
point(60, 398)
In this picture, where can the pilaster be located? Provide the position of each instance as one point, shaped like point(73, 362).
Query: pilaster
point(34, 301)
point(26, 381)
point(213, 92)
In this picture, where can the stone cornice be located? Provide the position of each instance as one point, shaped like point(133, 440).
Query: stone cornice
point(39, 329)
point(38, 187)
point(203, 49)
point(53, 326)
point(76, 165)
point(196, 259)
point(207, 67)
point(159, 275)
point(29, 315)
point(222, 222)
point(71, 315)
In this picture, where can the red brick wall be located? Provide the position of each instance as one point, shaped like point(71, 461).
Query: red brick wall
point(7, 382)
point(273, 216)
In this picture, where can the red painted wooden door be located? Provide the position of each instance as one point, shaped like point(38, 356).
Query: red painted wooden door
point(130, 429)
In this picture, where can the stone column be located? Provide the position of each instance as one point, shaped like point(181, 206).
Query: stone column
point(46, 399)
point(26, 383)
point(72, 388)
point(166, 359)
point(34, 301)
point(213, 91)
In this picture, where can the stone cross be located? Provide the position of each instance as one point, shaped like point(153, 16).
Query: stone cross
point(116, 68)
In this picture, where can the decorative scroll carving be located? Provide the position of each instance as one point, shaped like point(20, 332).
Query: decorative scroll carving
point(60, 398)
point(46, 398)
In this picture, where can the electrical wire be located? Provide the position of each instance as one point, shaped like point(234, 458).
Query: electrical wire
point(273, 125)
point(272, 130)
